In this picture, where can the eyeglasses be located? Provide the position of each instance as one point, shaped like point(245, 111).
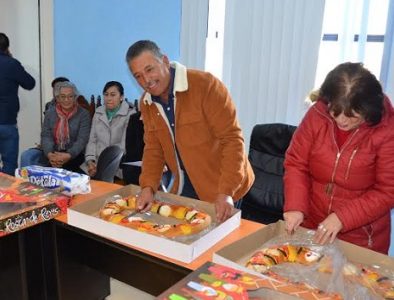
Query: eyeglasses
point(64, 97)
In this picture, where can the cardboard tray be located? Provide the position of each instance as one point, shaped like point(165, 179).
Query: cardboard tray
point(23, 204)
point(85, 216)
point(236, 254)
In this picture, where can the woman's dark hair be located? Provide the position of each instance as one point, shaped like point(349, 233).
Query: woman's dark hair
point(4, 42)
point(350, 87)
point(118, 85)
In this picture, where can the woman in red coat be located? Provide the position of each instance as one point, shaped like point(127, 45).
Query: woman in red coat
point(339, 168)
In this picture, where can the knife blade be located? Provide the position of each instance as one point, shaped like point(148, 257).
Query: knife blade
point(132, 214)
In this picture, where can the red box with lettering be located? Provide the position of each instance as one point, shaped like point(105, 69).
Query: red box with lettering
point(23, 204)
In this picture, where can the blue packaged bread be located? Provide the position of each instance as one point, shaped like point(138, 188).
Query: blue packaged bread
point(64, 181)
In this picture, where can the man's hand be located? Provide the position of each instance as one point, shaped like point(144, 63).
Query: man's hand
point(328, 229)
point(145, 199)
point(92, 168)
point(224, 205)
point(293, 220)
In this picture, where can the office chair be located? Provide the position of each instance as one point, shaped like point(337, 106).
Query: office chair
point(268, 144)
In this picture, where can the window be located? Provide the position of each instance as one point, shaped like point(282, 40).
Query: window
point(353, 30)
point(214, 41)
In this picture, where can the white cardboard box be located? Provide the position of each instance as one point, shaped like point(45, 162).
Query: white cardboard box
point(237, 254)
point(84, 216)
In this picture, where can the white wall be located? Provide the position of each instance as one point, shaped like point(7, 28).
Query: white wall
point(47, 49)
point(19, 19)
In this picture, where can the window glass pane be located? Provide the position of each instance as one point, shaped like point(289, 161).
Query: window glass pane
point(373, 57)
point(343, 20)
point(330, 25)
point(377, 16)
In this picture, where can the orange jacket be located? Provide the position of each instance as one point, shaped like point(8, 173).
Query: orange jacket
point(207, 134)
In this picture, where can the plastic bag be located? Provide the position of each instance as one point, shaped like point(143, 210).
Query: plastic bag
point(64, 181)
point(326, 268)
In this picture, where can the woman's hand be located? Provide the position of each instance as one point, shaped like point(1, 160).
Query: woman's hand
point(54, 160)
point(293, 220)
point(51, 157)
point(58, 159)
point(328, 229)
point(92, 168)
point(63, 157)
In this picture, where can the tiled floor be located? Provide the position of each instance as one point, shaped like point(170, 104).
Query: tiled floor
point(121, 291)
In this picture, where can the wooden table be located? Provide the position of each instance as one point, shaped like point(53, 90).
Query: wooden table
point(84, 261)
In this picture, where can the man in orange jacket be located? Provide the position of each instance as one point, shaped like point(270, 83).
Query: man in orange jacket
point(190, 125)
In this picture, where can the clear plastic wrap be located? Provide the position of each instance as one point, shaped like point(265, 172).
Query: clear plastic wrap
point(159, 223)
point(64, 181)
point(325, 267)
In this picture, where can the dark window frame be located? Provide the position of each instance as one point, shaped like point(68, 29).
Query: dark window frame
point(373, 38)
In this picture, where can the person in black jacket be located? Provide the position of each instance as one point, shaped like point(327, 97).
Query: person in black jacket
point(12, 75)
point(134, 145)
point(134, 148)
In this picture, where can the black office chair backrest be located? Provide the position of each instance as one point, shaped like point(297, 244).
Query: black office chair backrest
point(134, 149)
point(268, 144)
point(108, 163)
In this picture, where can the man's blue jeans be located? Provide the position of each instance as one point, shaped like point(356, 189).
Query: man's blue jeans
point(9, 148)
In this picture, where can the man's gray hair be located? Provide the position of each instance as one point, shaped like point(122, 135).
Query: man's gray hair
point(65, 84)
point(141, 46)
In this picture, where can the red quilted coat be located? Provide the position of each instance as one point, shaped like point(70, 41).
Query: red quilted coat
point(356, 182)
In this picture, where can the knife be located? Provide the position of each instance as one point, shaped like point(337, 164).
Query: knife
point(132, 214)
